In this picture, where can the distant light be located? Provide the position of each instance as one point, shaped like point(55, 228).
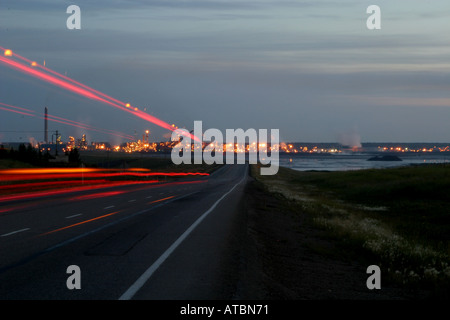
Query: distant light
point(127, 105)
point(8, 53)
point(34, 64)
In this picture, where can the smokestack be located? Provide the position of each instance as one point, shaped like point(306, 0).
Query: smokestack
point(46, 125)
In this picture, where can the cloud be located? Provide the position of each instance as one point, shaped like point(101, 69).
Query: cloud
point(407, 101)
point(104, 5)
point(309, 68)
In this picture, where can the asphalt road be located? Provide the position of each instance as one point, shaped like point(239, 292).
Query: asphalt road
point(173, 240)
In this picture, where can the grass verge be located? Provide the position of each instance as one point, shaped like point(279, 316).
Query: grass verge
point(399, 216)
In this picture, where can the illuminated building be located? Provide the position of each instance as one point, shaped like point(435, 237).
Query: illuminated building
point(82, 143)
point(71, 143)
point(100, 146)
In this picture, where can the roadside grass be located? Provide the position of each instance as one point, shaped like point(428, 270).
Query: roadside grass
point(398, 216)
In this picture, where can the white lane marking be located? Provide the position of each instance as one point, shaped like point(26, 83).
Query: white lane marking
point(108, 207)
point(149, 197)
point(17, 231)
point(73, 216)
point(132, 200)
point(135, 287)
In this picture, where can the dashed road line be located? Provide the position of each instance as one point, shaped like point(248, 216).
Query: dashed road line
point(14, 232)
point(73, 216)
point(81, 236)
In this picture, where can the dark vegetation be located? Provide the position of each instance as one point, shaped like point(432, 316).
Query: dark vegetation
point(29, 156)
point(417, 198)
point(398, 217)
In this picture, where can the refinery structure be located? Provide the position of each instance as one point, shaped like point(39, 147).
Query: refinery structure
point(54, 144)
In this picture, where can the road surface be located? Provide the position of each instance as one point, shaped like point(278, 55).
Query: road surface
point(173, 240)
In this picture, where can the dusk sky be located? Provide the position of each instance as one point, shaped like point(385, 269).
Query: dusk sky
point(311, 69)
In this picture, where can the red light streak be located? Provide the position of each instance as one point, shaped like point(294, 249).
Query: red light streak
point(80, 89)
point(96, 175)
point(30, 195)
point(48, 184)
point(13, 208)
point(159, 200)
point(64, 121)
point(33, 63)
point(80, 223)
point(24, 183)
point(88, 127)
point(49, 78)
point(48, 170)
point(16, 111)
point(97, 195)
point(85, 173)
point(71, 189)
point(15, 107)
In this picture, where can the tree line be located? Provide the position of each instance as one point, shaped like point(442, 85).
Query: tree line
point(35, 157)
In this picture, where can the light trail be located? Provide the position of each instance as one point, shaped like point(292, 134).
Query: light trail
point(91, 175)
point(21, 187)
point(57, 119)
point(62, 81)
point(17, 111)
point(55, 81)
point(159, 200)
point(35, 64)
point(97, 195)
point(62, 170)
point(89, 127)
point(20, 184)
point(87, 170)
point(79, 223)
point(15, 107)
point(29, 194)
point(69, 189)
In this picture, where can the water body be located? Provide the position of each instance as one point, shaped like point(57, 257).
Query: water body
point(357, 161)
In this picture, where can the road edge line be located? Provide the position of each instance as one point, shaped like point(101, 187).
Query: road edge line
point(139, 283)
